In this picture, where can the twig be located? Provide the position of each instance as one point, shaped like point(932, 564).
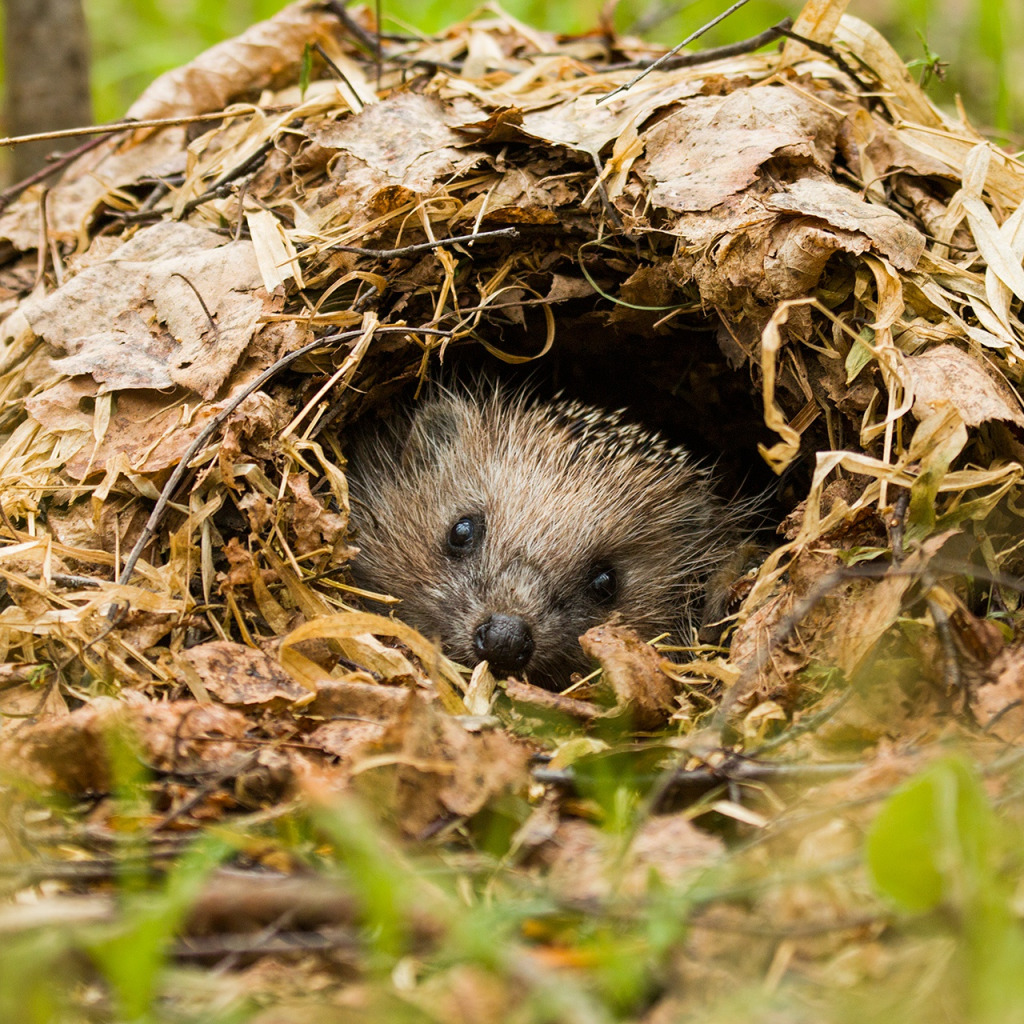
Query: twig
point(609, 210)
point(786, 626)
point(372, 43)
point(651, 18)
point(96, 868)
point(219, 947)
point(377, 42)
point(782, 632)
point(195, 291)
point(894, 525)
point(102, 130)
point(440, 243)
point(807, 724)
point(708, 777)
point(433, 66)
point(202, 792)
point(221, 186)
point(12, 192)
point(149, 530)
point(331, 66)
point(826, 51)
point(339, 9)
point(571, 707)
point(661, 61)
point(791, 930)
point(64, 579)
point(689, 60)
point(127, 126)
point(950, 663)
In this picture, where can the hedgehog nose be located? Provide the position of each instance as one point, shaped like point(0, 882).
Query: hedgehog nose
point(505, 641)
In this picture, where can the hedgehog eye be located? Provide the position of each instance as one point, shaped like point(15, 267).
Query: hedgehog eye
point(464, 536)
point(603, 585)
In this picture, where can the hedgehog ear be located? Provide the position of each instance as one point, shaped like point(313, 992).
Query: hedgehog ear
point(433, 429)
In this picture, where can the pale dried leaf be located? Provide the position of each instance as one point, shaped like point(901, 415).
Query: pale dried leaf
point(241, 676)
point(947, 374)
point(184, 306)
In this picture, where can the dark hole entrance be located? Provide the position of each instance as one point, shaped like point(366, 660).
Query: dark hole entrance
point(677, 382)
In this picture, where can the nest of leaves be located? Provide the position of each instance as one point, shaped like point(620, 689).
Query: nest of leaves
point(308, 219)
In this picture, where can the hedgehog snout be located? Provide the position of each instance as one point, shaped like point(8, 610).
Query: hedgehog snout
point(505, 642)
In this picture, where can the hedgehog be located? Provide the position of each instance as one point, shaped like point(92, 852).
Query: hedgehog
point(508, 526)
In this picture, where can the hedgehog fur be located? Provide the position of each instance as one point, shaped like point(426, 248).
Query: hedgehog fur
point(509, 526)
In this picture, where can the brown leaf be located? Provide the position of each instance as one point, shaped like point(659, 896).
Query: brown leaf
point(633, 668)
point(503, 125)
point(145, 433)
point(37, 700)
point(337, 698)
point(357, 715)
point(427, 768)
point(71, 753)
point(946, 374)
point(588, 863)
point(999, 705)
point(816, 195)
point(402, 139)
point(545, 700)
point(710, 148)
point(238, 675)
point(70, 203)
point(314, 527)
point(185, 307)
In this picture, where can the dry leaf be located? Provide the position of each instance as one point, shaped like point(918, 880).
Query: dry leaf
point(633, 669)
point(243, 677)
point(427, 768)
point(946, 374)
point(185, 312)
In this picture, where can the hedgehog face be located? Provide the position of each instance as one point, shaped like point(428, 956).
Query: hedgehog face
point(510, 603)
point(509, 529)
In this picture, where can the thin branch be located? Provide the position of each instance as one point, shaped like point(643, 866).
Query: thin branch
point(52, 167)
point(149, 530)
point(826, 51)
point(195, 291)
point(331, 66)
point(786, 626)
point(231, 772)
point(221, 186)
point(440, 243)
point(339, 9)
point(781, 632)
point(128, 126)
point(102, 130)
point(72, 582)
point(689, 60)
point(377, 50)
point(895, 523)
point(661, 61)
point(233, 945)
point(706, 777)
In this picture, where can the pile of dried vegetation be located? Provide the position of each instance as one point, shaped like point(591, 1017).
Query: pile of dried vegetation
point(781, 254)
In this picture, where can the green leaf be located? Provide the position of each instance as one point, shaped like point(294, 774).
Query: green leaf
point(859, 355)
point(132, 954)
point(306, 70)
point(932, 840)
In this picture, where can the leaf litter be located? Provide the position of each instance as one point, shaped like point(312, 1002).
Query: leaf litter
point(196, 314)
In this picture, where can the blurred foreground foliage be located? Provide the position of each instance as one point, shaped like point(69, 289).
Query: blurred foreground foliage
point(445, 936)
